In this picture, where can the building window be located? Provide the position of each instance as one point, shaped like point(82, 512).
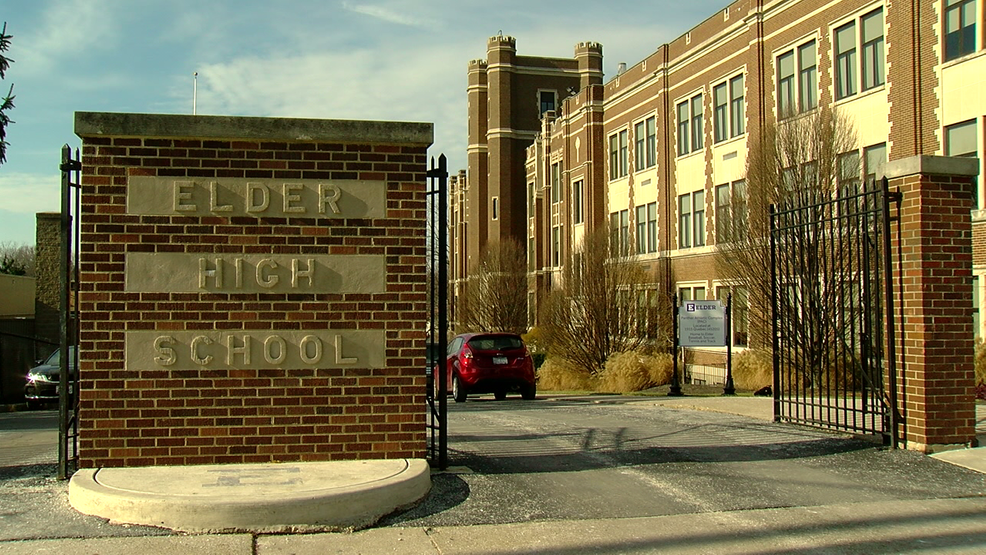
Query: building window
point(960, 28)
point(874, 162)
point(739, 312)
point(652, 227)
point(623, 153)
point(624, 232)
point(697, 127)
point(684, 221)
point(577, 200)
point(683, 134)
point(728, 117)
point(555, 183)
point(873, 57)
point(785, 84)
point(723, 225)
point(720, 115)
point(496, 208)
point(845, 61)
point(730, 215)
point(737, 103)
point(960, 140)
point(691, 220)
point(619, 225)
point(614, 156)
point(686, 294)
point(690, 128)
point(698, 218)
point(645, 144)
point(618, 155)
point(556, 246)
point(807, 77)
point(547, 101)
point(869, 33)
point(806, 87)
point(647, 228)
point(848, 174)
point(530, 200)
point(651, 130)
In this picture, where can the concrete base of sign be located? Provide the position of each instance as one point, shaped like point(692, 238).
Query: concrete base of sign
point(276, 497)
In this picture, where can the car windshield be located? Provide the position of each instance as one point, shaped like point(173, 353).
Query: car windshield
point(54, 359)
point(495, 342)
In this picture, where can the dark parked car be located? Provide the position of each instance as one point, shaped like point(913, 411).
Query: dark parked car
point(42, 380)
point(495, 363)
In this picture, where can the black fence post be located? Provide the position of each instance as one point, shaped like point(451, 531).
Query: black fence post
point(675, 390)
point(729, 389)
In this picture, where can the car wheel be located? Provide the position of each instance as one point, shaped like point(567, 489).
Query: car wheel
point(529, 392)
point(458, 391)
point(500, 394)
point(35, 405)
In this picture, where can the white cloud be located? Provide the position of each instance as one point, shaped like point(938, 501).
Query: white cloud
point(30, 193)
point(69, 28)
point(423, 84)
point(388, 15)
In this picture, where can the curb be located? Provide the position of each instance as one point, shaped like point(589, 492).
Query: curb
point(269, 497)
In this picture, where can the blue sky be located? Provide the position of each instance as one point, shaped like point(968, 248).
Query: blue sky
point(392, 60)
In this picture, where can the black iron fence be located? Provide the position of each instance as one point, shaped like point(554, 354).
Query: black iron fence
point(438, 312)
point(835, 333)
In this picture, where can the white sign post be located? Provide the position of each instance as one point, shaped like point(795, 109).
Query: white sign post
point(702, 324)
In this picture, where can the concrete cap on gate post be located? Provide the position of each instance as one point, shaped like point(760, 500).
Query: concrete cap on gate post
point(89, 124)
point(932, 165)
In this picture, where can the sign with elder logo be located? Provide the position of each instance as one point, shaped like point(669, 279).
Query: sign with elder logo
point(702, 324)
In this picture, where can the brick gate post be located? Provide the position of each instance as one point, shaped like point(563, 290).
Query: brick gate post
point(936, 389)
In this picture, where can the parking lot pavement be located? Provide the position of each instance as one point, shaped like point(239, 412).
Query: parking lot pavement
point(569, 476)
point(28, 438)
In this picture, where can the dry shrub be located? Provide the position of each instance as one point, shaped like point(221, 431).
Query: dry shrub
point(980, 361)
point(557, 374)
point(753, 369)
point(634, 371)
point(661, 367)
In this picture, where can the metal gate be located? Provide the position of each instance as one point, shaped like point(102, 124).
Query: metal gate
point(68, 372)
point(437, 268)
point(835, 339)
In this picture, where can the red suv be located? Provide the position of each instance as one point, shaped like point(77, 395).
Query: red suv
point(489, 363)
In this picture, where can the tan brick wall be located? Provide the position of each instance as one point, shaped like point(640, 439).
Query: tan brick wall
point(147, 416)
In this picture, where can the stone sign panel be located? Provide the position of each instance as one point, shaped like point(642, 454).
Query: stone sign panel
point(257, 273)
point(215, 350)
point(271, 198)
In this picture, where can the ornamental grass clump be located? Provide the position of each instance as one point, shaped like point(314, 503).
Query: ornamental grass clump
point(557, 374)
point(634, 371)
point(753, 369)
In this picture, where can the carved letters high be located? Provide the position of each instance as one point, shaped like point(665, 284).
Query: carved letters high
point(254, 273)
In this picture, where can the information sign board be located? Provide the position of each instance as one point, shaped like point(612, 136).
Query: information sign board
point(702, 324)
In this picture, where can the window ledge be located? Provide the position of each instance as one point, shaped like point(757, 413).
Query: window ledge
point(963, 58)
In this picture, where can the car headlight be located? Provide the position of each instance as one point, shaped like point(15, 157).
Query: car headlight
point(37, 378)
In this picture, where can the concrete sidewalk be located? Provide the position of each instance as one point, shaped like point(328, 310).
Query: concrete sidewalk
point(921, 526)
point(953, 525)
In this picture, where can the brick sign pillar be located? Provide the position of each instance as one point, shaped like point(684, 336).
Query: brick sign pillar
point(252, 289)
point(937, 399)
